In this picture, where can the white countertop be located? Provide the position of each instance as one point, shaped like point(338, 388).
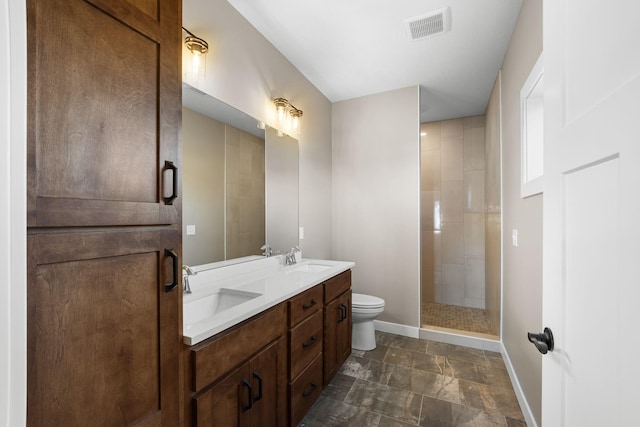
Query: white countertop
point(268, 277)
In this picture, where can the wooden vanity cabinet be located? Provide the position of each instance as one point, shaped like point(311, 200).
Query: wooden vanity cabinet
point(270, 369)
point(239, 377)
point(305, 351)
point(337, 324)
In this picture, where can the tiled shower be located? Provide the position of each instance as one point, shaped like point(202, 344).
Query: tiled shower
point(453, 222)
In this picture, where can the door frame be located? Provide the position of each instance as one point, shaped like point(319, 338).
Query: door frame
point(13, 265)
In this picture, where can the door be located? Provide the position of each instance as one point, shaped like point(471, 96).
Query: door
point(268, 378)
point(104, 107)
point(102, 328)
point(228, 403)
point(591, 281)
point(337, 335)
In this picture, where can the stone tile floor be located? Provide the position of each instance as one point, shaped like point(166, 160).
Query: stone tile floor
point(411, 382)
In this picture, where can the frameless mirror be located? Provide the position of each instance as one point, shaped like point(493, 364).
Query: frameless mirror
point(239, 184)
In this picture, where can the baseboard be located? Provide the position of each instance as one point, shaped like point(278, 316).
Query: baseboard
point(396, 328)
point(517, 388)
point(459, 339)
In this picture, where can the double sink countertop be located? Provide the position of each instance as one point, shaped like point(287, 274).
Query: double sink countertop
point(223, 297)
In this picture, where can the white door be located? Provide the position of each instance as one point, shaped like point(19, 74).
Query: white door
point(591, 290)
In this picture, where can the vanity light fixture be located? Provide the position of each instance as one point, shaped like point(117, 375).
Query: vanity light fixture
point(198, 48)
point(288, 117)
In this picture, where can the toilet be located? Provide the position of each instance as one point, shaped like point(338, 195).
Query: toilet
point(364, 308)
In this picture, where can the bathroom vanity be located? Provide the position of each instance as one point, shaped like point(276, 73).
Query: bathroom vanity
point(273, 339)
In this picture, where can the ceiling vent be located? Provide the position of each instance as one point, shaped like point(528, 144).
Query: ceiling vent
point(430, 24)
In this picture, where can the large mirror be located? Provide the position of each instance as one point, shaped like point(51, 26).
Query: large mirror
point(239, 184)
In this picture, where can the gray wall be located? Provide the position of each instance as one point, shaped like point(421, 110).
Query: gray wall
point(522, 287)
point(245, 71)
point(376, 197)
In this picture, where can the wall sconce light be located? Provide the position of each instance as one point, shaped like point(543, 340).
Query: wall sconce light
point(288, 116)
point(198, 47)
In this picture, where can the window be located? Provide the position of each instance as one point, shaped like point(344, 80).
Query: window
point(532, 131)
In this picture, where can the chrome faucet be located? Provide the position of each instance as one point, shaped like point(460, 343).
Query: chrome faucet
point(186, 288)
point(290, 257)
point(267, 251)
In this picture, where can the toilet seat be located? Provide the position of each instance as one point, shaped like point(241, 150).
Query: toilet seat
point(363, 301)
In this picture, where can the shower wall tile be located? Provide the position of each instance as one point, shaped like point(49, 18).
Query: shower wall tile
point(474, 235)
point(452, 243)
point(452, 284)
point(453, 127)
point(474, 278)
point(431, 141)
point(430, 206)
point(431, 280)
point(452, 158)
point(474, 191)
point(474, 121)
point(451, 201)
point(431, 250)
point(430, 170)
point(474, 302)
point(474, 147)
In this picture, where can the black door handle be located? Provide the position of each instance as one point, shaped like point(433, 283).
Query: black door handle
point(174, 256)
point(174, 169)
point(543, 342)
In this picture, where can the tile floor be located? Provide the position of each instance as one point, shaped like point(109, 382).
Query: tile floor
point(411, 382)
point(456, 317)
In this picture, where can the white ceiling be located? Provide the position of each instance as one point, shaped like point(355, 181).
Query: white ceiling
point(352, 48)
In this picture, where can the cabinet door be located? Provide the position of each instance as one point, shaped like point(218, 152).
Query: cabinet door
point(343, 334)
point(337, 335)
point(104, 106)
point(103, 335)
point(269, 382)
point(228, 403)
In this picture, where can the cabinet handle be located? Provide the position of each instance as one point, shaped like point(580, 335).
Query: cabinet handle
point(174, 256)
point(249, 394)
point(343, 313)
point(309, 343)
point(310, 391)
point(308, 306)
point(171, 166)
point(257, 376)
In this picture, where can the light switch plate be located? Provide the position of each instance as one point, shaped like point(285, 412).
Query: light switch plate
point(191, 230)
point(514, 238)
point(301, 233)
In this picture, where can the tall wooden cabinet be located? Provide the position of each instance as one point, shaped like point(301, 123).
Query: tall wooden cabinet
point(104, 212)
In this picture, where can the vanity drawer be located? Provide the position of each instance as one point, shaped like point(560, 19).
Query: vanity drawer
point(221, 353)
point(304, 391)
point(336, 286)
point(305, 343)
point(305, 304)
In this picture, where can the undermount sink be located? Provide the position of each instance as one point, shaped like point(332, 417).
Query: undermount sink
point(312, 268)
point(216, 303)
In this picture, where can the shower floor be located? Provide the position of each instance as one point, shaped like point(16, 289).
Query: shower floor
point(456, 317)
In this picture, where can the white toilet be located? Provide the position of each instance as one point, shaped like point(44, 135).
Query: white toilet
point(364, 308)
